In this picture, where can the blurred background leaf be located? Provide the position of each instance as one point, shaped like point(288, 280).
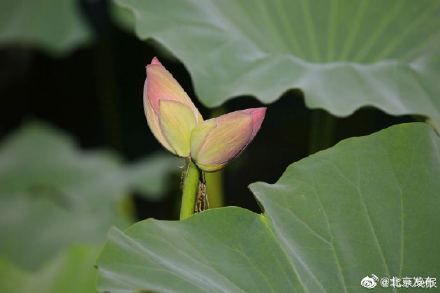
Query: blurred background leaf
point(70, 272)
point(357, 208)
point(54, 195)
point(148, 176)
point(56, 26)
point(122, 17)
point(342, 54)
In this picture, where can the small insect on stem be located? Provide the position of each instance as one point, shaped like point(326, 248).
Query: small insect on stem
point(202, 197)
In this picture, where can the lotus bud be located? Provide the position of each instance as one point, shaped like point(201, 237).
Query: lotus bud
point(170, 113)
point(216, 141)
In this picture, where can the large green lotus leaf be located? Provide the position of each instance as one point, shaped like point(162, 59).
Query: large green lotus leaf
point(342, 54)
point(70, 272)
point(52, 194)
point(53, 25)
point(367, 205)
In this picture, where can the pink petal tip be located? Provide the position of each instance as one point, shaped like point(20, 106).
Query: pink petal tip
point(155, 61)
point(258, 115)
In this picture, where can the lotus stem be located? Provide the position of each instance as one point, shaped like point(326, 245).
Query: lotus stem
point(190, 189)
point(214, 186)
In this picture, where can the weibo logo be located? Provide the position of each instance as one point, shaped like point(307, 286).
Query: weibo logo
point(369, 282)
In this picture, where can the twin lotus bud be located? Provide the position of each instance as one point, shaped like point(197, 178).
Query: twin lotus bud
point(179, 127)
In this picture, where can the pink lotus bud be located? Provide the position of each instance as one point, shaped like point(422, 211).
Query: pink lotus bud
point(170, 113)
point(215, 142)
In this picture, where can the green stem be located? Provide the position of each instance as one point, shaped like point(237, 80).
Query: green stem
point(190, 189)
point(214, 186)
